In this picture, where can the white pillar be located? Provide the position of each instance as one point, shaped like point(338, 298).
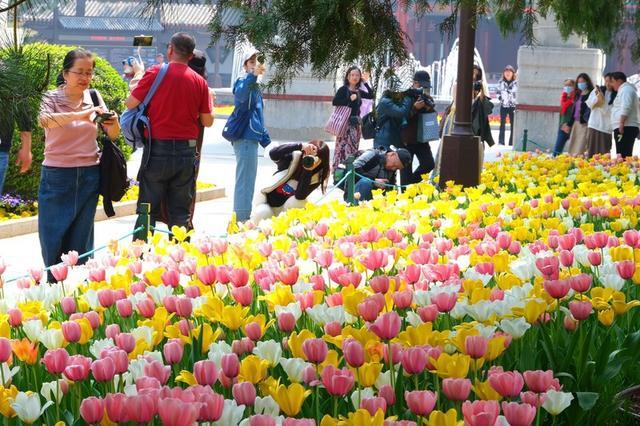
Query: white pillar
point(541, 72)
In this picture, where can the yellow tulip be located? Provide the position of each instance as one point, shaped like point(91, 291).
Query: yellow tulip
point(154, 276)
point(7, 395)
point(455, 366)
point(280, 296)
point(233, 316)
point(295, 342)
point(484, 391)
point(368, 373)
point(5, 328)
point(180, 233)
point(363, 418)
point(86, 331)
point(606, 317)
point(495, 348)
point(187, 377)
point(450, 418)
point(327, 420)
point(290, 398)
point(253, 369)
point(533, 309)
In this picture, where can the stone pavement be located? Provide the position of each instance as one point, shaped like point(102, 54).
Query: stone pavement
point(211, 217)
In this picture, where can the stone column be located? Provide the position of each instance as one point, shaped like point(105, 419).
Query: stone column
point(541, 72)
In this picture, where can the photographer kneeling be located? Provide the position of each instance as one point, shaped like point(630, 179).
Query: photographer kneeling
point(418, 144)
point(302, 167)
point(377, 169)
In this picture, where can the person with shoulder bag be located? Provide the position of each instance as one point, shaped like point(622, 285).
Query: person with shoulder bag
point(245, 130)
point(70, 176)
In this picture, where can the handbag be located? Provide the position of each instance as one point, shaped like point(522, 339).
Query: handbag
point(134, 121)
point(339, 121)
point(428, 127)
point(369, 125)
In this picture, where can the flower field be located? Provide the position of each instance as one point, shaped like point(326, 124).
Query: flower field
point(514, 303)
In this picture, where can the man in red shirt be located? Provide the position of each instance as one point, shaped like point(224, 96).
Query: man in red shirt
point(179, 105)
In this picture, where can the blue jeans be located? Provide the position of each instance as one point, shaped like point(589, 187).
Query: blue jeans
point(560, 142)
point(4, 166)
point(246, 152)
point(364, 187)
point(67, 201)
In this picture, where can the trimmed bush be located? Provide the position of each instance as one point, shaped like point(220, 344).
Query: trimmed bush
point(107, 81)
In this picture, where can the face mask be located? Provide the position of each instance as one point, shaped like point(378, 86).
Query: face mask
point(568, 89)
point(582, 86)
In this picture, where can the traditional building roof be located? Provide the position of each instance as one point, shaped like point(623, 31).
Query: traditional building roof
point(120, 16)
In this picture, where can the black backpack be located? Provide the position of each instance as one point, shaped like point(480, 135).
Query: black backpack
point(114, 181)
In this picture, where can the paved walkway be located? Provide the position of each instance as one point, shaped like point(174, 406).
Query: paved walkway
point(211, 217)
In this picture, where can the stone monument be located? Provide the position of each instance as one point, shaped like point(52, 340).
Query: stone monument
point(541, 71)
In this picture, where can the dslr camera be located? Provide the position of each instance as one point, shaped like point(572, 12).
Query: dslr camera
point(422, 94)
point(477, 86)
point(309, 162)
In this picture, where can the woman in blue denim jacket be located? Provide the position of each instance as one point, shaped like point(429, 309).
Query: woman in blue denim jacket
point(247, 97)
point(393, 110)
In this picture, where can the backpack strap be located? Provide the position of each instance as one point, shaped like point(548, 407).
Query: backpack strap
point(156, 83)
point(94, 97)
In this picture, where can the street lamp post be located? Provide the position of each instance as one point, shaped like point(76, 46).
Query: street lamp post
point(461, 160)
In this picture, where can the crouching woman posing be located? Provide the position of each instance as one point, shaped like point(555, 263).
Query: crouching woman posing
point(302, 167)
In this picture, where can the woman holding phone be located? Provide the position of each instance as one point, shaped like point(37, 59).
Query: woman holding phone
point(70, 177)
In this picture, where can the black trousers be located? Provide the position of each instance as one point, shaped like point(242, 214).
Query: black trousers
point(625, 142)
point(169, 175)
point(422, 151)
point(504, 112)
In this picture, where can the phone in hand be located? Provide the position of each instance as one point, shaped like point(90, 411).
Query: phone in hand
point(142, 40)
point(101, 118)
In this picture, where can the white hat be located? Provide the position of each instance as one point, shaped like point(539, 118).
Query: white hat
point(247, 54)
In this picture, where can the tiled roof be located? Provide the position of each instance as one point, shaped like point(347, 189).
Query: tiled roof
point(109, 24)
point(182, 15)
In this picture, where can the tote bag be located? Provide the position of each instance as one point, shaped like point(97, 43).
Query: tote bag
point(428, 128)
point(339, 120)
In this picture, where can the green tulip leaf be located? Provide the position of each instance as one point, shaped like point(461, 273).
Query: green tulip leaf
point(587, 399)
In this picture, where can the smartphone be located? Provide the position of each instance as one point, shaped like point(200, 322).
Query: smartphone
point(142, 40)
point(101, 118)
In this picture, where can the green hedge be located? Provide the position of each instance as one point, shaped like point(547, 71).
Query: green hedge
point(107, 81)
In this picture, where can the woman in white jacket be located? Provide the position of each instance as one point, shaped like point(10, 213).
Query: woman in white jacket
point(599, 131)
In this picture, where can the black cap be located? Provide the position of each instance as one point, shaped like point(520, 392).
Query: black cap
point(198, 62)
point(423, 78)
point(405, 157)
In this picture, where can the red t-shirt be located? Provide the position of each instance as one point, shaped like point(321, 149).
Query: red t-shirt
point(174, 110)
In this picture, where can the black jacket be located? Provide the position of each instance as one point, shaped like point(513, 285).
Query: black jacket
point(343, 98)
point(480, 111)
point(282, 155)
point(585, 111)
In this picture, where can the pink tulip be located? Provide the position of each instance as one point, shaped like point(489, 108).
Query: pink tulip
point(115, 407)
point(212, 405)
point(388, 393)
point(595, 258)
point(372, 405)
point(262, 420)
point(570, 324)
point(533, 398)
point(146, 308)
point(147, 383)
point(126, 342)
point(631, 238)
point(518, 414)
point(112, 330)
point(428, 313)
point(184, 307)
point(174, 412)
point(289, 276)
point(480, 413)
point(244, 393)
point(456, 389)
point(141, 408)
point(76, 372)
point(192, 292)
point(103, 369)
point(581, 282)
point(55, 360)
point(92, 410)
point(124, 307)
point(476, 346)
point(321, 229)
point(387, 326)
point(566, 258)
point(70, 258)
point(333, 328)
point(626, 269)
point(353, 352)
point(71, 331)
point(445, 301)
point(315, 350)
point(420, 403)
point(375, 259)
point(59, 272)
point(15, 317)
point(205, 372)
point(324, 259)
point(207, 274)
point(402, 299)
point(171, 278)
point(414, 360)
point(68, 305)
point(93, 318)
point(369, 310)
point(396, 353)
point(337, 382)
point(539, 381)
point(549, 267)
point(286, 322)
point(5, 349)
point(567, 242)
point(239, 277)
point(106, 298)
point(242, 295)
point(158, 370)
point(379, 284)
point(173, 352)
point(253, 330)
point(580, 310)
point(36, 275)
point(557, 288)
point(508, 384)
point(230, 365)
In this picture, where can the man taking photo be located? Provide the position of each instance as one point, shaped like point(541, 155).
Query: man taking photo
point(180, 104)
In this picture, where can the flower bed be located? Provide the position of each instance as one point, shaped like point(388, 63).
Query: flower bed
point(513, 299)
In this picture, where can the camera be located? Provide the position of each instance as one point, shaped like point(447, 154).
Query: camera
point(477, 86)
point(309, 161)
point(101, 118)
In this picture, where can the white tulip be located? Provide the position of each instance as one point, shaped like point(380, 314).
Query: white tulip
point(270, 351)
point(27, 406)
point(421, 298)
point(414, 319)
point(8, 373)
point(294, 367)
point(217, 349)
point(99, 345)
point(267, 406)
point(293, 308)
point(52, 339)
point(556, 402)
point(357, 397)
point(143, 333)
point(232, 414)
point(516, 327)
point(480, 311)
point(50, 390)
point(158, 293)
point(33, 329)
point(91, 297)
